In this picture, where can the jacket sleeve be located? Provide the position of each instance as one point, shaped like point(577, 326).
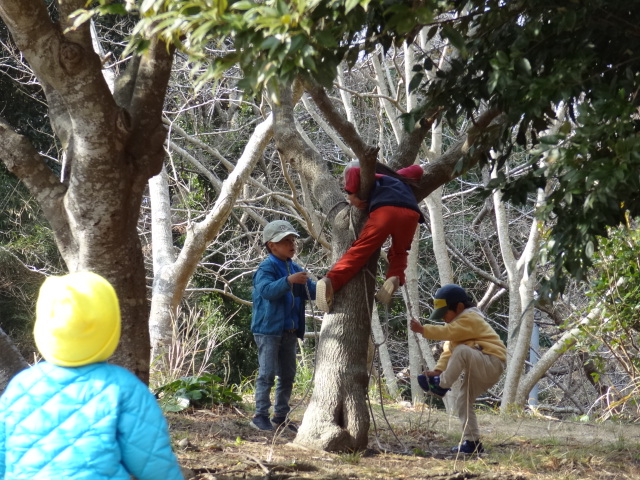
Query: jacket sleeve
point(144, 436)
point(463, 328)
point(268, 285)
point(443, 361)
point(3, 441)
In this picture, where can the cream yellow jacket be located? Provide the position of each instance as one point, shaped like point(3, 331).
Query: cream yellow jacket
point(469, 328)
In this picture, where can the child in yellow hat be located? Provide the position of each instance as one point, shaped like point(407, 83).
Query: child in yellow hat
point(72, 415)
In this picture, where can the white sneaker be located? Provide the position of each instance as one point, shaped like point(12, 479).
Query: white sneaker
point(387, 290)
point(324, 295)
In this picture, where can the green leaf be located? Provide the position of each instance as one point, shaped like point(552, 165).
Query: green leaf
point(502, 57)
point(524, 66)
point(113, 9)
point(270, 43)
point(243, 5)
point(455, 38)
point(494, 78)
point(148, 5)
point(350, 5)
point(416, 81)
point(589, 249)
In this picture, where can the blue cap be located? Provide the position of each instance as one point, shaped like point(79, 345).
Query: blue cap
point(447, 297)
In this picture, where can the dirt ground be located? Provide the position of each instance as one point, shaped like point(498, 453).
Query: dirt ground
point(408, 443)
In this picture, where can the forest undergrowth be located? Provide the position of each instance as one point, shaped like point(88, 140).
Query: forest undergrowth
point(407, 443)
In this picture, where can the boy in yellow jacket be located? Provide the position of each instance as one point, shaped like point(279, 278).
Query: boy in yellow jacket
point(472, 346)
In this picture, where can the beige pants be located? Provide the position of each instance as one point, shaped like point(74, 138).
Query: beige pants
point(481, 373)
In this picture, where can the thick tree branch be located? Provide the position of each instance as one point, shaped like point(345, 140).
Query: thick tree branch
point(81, 34)
point(21, 159)
point(443, 169)
point(337, 120)
point(308, 161)
point(147, 132)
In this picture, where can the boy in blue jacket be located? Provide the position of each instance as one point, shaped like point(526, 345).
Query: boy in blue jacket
point(74, 416)
point(280, 288)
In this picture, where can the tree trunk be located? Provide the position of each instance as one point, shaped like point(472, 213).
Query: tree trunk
point(337, 417)
point(160, 318)
point(415, 342)
point(113, 143)
point(171, 275)
point(12, 361)
point(521, 277)
point(386, 365)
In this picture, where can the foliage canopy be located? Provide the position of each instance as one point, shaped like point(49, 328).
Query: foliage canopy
point(529, 60)
point(273, 41)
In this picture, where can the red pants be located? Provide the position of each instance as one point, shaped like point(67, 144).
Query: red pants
point(400, 223)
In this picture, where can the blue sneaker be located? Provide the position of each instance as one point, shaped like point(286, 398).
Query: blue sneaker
point(261, 423)
point(432, 385)
point(469, 447)
point(282, 422)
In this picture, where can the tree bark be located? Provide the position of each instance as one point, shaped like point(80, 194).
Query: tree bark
point(111, 149)
point(160, 318)
point(12, 361)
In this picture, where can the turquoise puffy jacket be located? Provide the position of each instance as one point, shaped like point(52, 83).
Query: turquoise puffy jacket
point(92, 422)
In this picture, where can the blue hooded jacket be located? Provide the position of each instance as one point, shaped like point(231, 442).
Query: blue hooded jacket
point(278, 306)
point(92, 422)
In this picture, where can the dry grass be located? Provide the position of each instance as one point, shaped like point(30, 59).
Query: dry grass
point(220, 444)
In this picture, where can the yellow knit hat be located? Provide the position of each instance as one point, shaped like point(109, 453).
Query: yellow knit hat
point(77, 319)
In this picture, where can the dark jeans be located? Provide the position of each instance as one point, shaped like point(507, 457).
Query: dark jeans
point(276, 357)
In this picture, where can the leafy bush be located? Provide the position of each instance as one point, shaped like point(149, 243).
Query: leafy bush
point(202, 391)
point(614, 331)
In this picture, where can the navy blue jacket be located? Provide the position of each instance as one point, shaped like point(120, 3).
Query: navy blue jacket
point(391, 192)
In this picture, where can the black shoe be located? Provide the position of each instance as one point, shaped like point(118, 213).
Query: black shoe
point(468, 447)
point(281, 422)
point(261, 423)
point(432, 385)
